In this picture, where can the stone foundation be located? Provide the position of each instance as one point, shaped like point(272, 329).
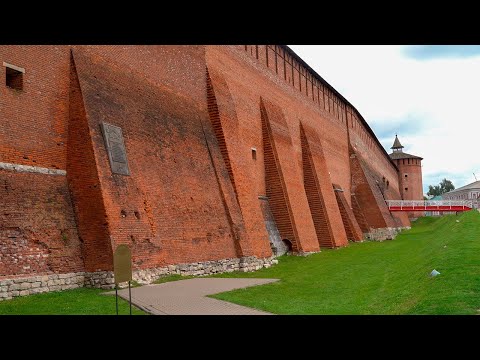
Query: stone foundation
point(384, 233)
point(38, 284)
point(105, 279)
point(100, 279)
point(245, 264)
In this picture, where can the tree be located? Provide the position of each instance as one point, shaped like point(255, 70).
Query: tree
point(442, 188)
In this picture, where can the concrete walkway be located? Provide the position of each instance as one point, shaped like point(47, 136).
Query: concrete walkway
point(188, 297)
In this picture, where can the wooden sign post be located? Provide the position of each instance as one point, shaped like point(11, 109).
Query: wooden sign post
point(122, 268)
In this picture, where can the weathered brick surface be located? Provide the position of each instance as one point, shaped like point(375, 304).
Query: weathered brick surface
point(85, 186)
point(284, 187)
point(190, 117)
point(38, 233)
point(318, 187)
point(33, 130)
point(352, 229)
point(178, 204)
point(243, 167)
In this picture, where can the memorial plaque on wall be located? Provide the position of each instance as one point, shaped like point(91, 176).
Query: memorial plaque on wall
point(115, 148)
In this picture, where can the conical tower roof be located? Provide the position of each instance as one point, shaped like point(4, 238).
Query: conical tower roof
point(396, 143)
point(398, 152)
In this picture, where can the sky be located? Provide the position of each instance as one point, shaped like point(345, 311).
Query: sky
point(428, 94)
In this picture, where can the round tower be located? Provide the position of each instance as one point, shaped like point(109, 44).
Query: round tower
point(409, 175)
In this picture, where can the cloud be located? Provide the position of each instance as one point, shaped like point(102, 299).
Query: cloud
point(386, 128)
point(429, 52)
point(432, 105)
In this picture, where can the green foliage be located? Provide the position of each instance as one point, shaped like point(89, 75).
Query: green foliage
point(390, 277)
point(442, 188)
point(80, 301)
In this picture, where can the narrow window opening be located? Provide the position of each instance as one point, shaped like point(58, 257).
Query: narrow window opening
point(14, 78)
point(406, 189)
point(406, 175)
point(254, 153)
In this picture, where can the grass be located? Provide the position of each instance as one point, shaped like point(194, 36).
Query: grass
point(82, 301)
point(390, 277)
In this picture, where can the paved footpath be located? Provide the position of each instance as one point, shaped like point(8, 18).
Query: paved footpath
point(188, 297)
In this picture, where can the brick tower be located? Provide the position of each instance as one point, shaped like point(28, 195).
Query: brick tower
point(409, 175)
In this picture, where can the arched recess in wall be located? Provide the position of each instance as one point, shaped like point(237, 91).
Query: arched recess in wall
point(214, 115)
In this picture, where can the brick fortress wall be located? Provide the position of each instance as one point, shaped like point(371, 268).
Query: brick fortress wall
point(212, 135)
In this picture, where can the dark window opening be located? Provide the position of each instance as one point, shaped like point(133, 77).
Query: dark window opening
point(288, 244)
point(14, 78)
point(388, 183)
point(406, 175)
point(254, 154)
point(406, 189)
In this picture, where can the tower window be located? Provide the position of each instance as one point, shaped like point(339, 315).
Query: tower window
point(388, 183)
point(254, 153)
point(406, 189)
point(406, 175)
point(14, 76)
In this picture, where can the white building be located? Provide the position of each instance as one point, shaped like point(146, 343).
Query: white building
point(467, 192)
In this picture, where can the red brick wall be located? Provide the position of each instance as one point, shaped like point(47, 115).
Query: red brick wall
point(284, 186)
point(239, 161)
point(367, 150)
point(34, 120)
point(38, 234)
point(248, 79)
point(321, 198)
point(84, 184)
point(352, 228)
point(194, 186)
point(368, 193)
point(177, 207)
point(413, 182)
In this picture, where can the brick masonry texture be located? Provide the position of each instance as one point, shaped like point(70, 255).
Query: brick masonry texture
point(213, 134)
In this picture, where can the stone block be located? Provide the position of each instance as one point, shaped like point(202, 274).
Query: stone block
point(25, 285)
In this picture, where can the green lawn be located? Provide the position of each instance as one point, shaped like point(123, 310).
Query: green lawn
point(80, 301)
point(390, 277)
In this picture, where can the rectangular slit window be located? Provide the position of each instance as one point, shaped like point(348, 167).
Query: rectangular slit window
point(14, 76)
point(254, 153)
